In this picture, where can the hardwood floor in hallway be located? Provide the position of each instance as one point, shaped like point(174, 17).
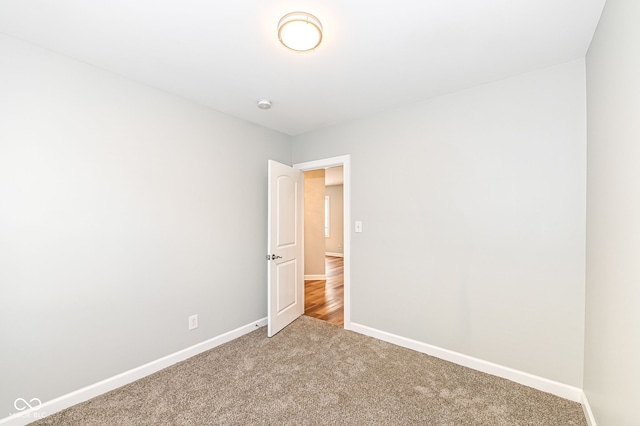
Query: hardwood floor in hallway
point(324, 299)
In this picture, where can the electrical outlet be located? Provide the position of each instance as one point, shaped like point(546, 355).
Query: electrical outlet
point(193, 322)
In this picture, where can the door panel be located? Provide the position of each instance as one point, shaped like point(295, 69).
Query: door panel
point(286, 211)
point(286, 292)
point(285, 245)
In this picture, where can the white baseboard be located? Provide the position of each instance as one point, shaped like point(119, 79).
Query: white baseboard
point(50, 407)
point(591, 420)
point(91, 391)
point(560, 389)
point(329, 253)
point(315, 277)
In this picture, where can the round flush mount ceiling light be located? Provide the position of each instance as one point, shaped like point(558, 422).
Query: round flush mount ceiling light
point(300, 31)
point(264, 103)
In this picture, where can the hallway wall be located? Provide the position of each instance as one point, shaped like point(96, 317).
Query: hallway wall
point(335, 242)
point(314, 240)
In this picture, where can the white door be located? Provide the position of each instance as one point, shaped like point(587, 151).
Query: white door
point(284, 244)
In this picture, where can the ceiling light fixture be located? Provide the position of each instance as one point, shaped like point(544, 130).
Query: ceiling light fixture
point(300, 31)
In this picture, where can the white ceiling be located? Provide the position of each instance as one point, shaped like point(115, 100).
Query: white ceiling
point(374, 56)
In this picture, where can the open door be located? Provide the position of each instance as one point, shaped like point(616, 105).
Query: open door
point(285, 275)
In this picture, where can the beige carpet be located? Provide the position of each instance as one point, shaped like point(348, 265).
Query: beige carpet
point(316, 373)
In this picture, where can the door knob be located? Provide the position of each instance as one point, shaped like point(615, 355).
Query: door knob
point(274, 257)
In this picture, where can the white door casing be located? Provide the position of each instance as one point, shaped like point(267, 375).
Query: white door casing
point(285, 275)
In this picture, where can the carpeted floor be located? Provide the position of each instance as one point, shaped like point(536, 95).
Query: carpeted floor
point(315, 373)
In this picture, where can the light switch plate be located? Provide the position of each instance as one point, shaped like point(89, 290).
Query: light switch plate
point(193, 322)
point(358, 226)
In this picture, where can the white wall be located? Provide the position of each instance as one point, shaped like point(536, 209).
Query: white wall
point(478, 245)
point(120, 215)
point(612, 346)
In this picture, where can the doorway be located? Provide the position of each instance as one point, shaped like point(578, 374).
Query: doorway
point(343, 161)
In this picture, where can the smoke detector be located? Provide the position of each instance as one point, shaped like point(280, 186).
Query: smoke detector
point(264, 103)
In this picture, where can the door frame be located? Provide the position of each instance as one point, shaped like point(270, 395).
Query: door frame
point(345, 162)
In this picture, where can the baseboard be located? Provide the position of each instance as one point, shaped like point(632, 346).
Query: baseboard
point(91, 391)
point(332, 254)
point(591, 420)
point(560, 389)
point(315, 277)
